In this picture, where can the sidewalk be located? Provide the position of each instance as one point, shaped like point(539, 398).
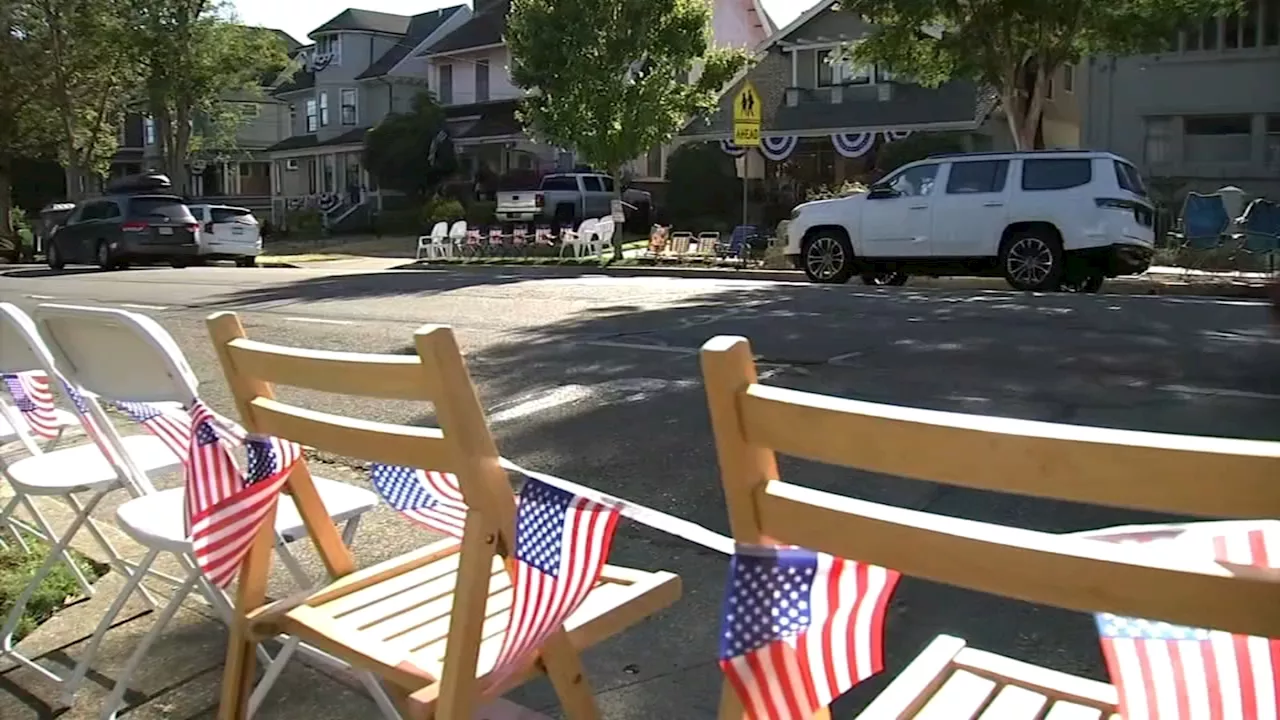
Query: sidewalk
point(181, 675)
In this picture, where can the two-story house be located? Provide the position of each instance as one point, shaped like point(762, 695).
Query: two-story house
point(827, 119)
point(469, 71)
point(1201, 116)
point(363, 65)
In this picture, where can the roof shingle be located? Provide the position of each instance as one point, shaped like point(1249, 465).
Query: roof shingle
point(484, 28)
point(359, 20)
point(420, 28)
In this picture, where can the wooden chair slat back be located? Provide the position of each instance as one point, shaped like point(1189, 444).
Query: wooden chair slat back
point(751, 421)
point(396, 377)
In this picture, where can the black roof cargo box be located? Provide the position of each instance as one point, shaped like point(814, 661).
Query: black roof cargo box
point(148, 182)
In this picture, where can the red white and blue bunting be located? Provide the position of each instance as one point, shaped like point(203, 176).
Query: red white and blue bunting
point(850, 145)
point(778, 148)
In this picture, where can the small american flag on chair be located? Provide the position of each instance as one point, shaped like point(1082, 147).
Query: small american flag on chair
point(173, 428)
point(800, 628)
point(224, 509)
point(425, 496)
point(1170, 672)
point(34, 399)
point(562, 544)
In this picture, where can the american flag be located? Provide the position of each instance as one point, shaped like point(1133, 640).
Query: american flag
point(173, 428)
point(34, 399)
point(1170, 672)
point(562, 543)
point(426, 496)
point(800, 628)
point(224, 509)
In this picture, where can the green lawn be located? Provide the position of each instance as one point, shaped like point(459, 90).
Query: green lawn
point(16, 570)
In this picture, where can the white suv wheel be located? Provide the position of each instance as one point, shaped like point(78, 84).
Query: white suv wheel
point(827, 259)
point(1030, 263)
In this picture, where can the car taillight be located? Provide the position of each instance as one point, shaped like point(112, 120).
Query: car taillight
point(539, 199)
point(1114, 203)
point(193, 227)
point(135, 226)
point(1144, 215)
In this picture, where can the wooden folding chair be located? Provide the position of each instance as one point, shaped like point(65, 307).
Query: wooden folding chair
point(1223, 478)
point(429, 623)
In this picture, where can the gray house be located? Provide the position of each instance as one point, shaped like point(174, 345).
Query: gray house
point(827, 120)
point(363, 66)
point(1204, 115)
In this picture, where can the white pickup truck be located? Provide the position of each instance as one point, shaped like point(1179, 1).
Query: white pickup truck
point(567, 198)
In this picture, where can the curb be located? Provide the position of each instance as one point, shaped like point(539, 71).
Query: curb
point(294, 266)
point(1115, 286)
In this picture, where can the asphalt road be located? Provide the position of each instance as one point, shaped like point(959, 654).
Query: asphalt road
point(595, 379)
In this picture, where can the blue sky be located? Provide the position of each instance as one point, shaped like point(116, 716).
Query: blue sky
point(298, 17)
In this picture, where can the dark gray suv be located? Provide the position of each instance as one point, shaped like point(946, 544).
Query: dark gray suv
point(136, 221)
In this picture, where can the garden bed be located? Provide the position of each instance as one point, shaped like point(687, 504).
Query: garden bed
point(59, 587)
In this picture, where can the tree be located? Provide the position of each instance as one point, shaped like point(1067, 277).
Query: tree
point(83, 46)
point(411, 152)
point(702, 184)
point(1012, 47)
point(608, 77)
point(25, 115)
point(196, 62)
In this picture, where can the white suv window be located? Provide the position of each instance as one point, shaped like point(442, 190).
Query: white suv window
point(1056, 173)
point(977, 176)
point(913, 182)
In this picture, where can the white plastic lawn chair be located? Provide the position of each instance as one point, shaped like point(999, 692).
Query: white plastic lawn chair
point(604, 236)
point(127, 356)
point(579, 241)
point(433, 244)
point(65, 473)
point(457, 236)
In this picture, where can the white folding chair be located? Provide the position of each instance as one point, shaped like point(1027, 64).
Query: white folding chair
point(14, 427)
point(67, 472)
point(580, 240)
point(129, 357)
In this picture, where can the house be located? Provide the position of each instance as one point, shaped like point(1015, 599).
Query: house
point(1201, 116)
point(469, 73)
point(239, 174)
point(362, 66)
point(827, 120)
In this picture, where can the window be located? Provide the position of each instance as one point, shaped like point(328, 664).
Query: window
point(110, 211)
point(1273, 140)
point(313, 121)
point(324, 108)
point(1069, 78)
point(653, 162)
point(1217, 138)
point(1056, 174)
point(237, 215)
point(1158, 140)
point(1270, 22)
point(559, 182)
point(913, 182)
point(482, 80)
point(445, 93)
point(312, 172)
point(149, 130)
point(841, 72)
point(293, 118)
point(591, 183)
point(348, 101)
point(1048, 87)
point(330, 48)
point(985, 176)
point(169, 208)
point(329, 165)
point(249, 111)
point(607, 182)
point(1128, 177)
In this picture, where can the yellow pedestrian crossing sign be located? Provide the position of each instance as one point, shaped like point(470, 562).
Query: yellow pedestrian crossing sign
point(746, 117)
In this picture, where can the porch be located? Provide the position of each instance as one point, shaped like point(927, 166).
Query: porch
point(328, 178)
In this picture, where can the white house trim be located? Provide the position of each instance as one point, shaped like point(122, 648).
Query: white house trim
point(465, 51)
point(459, 17)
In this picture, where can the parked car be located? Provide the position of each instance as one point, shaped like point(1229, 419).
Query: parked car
point(137, 220)
point(568, 198)
point(52, 217)
point(228, 233)
point(1045, 220)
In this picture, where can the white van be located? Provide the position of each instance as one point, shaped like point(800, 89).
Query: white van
point(228, 233)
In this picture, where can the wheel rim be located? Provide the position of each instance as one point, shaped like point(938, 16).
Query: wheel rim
point(825, 258)
point(1030, 261)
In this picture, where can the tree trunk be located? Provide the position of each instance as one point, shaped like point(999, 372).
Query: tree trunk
point(181, 149)
point(6, 202)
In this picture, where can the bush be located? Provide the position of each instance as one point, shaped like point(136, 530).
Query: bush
point(405, 221)
point(702, 181)
point(838, 190)
point(440, 210)
point(307, 221)
point(482, 212)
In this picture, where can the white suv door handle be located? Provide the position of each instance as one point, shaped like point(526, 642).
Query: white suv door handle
point(993, 204)
point(919, 207)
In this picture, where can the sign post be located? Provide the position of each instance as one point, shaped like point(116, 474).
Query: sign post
point(746, 132)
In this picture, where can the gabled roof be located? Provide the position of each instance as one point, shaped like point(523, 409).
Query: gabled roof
point(420, 28)
point(356, 20)
point(484, 29)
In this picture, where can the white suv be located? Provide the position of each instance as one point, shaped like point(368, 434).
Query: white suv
point(1045, 220)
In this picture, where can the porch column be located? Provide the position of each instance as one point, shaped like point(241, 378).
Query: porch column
point(795, 68)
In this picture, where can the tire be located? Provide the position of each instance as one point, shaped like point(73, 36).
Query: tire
point(246, 262)
point(895, 279)
point(179, 264)
point(106, 259)
point(53, 256)
point(1032, 260)
point(1090, 284)
point(827, 257)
